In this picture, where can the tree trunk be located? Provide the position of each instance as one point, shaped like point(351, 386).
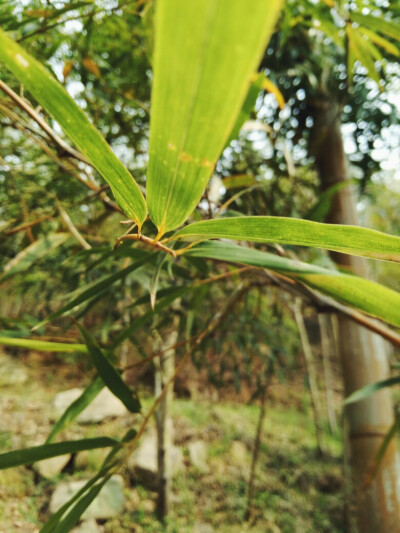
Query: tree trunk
point(363, 356)
point(165, 368)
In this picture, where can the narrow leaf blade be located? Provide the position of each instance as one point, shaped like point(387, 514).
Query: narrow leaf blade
point(76, 407)
point(73, 516)
point(367, 296)
point(109, 374)
point(57, 102)
point(43, 346)
point(28, 456)
point(346, 239)
point(93, 289)
point(32, 253)
point(366, 391)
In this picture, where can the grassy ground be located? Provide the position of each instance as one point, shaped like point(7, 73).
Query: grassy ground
point(296, 491)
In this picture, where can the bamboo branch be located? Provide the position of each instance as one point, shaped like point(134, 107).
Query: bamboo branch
point(25, 106)
point(71, 227)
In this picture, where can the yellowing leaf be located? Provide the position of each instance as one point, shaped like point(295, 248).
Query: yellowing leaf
point(39, 13)
point(92, 67)
point(380, 41)
point(238, 181)
point(362, 50)
point(270, 87)
point(67, 69)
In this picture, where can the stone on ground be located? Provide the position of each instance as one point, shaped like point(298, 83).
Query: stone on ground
point(143, 462)
point(198, 455)
point(52, 467)
point(13, 372)
point(108, 504)
point(88, 526)
point(104, 406)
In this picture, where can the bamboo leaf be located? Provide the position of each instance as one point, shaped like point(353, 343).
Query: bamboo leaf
point(76, 407)
point(43, 346)
point(394, 428)
point(109, 374)
point(28, 456)
point(270, 87)
point(110, 461)
point(32, 253)
point(247, 107)
point(54, 521)
point(361, 50)
point(380, 41)
point(367, 296)
point(346, 239)
point(380, 25)
point(205, 54)
point(238, 181)
point(322, 206)
point(93, 289)
point(366, 391)
point(73, 516)
point(57, 102)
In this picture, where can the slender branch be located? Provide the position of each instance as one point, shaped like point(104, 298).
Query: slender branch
point(67, 166)
point(23, 227)
point(146, 240)
point(25, 106)
point(71, 227)
point(212, 325)
point(325, 303)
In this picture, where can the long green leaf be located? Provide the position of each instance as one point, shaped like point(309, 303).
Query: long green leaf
point(73, 516)
point(109, 462)
point(386, 27)
point(109, 374)
point(361, 49)
point(366, 391)
point(76, 407)
point(319, 211)
point(43, 346)
point(32, 253)
point(369, 297)
point(54, 521)
point(380, 41)
point(347, 239)
point(205, 54)
point(394, 428)
point(247, 107)
point(93, 289)
point(57, 102)
point(28, 456)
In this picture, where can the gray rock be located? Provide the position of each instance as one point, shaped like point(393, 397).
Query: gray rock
point(198, 455)
point(108, 503)
point(88, 526)
point(12, 371)
point(238, 452)
point(104, 406)
point(200, 527)
point(143, 462)
point(53, 466)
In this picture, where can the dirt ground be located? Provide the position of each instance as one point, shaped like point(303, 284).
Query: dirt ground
point(295, 489)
